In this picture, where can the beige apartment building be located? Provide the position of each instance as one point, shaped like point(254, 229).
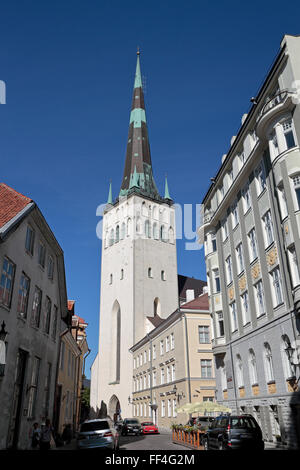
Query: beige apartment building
point(173, 365)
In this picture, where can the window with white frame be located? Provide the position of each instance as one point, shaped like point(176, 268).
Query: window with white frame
point(154, 351)
point(154, 378)
point(259, 298)
point(216, 276)
point(235, 215)
point(282, 201)
point(138, 362)
point(173, 372)
point(239, 371)
point(174, 407)
point(214, 243)
point(289, 370)
point(260, 177)
point(245, 308)
point(203, 334)
point(169, 408)
point(224, 229)
point(206, 368)
point(167, 344)
point(161, 347)
point(229, 269)
point(268, 228)
point(252, 368)
point(145, 382)
point(277, 287)
point(145, 357)
point(163, 409)
point(233, 316)
point(296, 184)
point(168, 374)
point(294, 266)
point(172, 341)
point(288, 132)
point(252, 244)
point(268, 363)
point(162, 376)
point(240, 257)
point(220, 324)
point(246, 198)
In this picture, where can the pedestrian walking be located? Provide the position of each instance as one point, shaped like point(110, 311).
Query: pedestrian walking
point(46, 436)
point(34, 436)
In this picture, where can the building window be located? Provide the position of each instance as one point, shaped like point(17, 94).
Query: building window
point(246, 198)
point(229, 269)
point(110, 279)
point(245, 308)
point(235, 215)
point(296, 181)
point(240, 257)
point(167, 344)
point(216, 276)
point(168, 374)
point(239, 371)
point(260, 178)
point(163, 233)
point(162, 376)
point(163, 275)
point(214, 243)
point(163, 409)
point(173, 372)
point(172, 341)
point(294, 266)
point(154, 379)
point(46, 396)
point(268, 226)
point(147, 229)
point(41, 254)
point(7, 282)
point(150, 272)
point(259, 298)
point(161, 347)
point(122, 274)
point(220, 324)
point(203, 331)
point(117, 233)
point(277, 287)
point(282, 201)
point(36, 308)
point(47, 315)
point(268, 363)
point(252, 368)
point(224, 229)
point(174, 408)
point(33, 387)
point(29, 241)
point(50, 267)
point(233, 316)
point(288, 370)
point(169, 408)
point(123, 231)
point(252, 245)
point(206, 368)
point(54, 323)
point(155, 231)
point(154, 351)
point(288, 133)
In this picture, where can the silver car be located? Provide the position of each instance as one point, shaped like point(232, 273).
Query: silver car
point(98, 433)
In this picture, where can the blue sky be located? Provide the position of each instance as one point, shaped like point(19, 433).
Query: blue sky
point(69, 68)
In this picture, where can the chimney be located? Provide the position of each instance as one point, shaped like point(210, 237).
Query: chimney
point(190, 295)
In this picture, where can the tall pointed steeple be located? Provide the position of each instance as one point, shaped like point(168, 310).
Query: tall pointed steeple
point(138, 175)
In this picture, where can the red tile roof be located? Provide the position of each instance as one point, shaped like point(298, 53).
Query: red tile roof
point(199, 303)
point(71, 306)
point(11, 203)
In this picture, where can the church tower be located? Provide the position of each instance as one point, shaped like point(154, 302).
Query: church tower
point(139, 266)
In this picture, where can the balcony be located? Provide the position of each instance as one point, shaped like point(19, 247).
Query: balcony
point(279, 103)
point(207, 217)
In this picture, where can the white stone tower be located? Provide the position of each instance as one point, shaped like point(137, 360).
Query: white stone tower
point(139, 267)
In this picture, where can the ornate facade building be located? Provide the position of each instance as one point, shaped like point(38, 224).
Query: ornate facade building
point(251, 235)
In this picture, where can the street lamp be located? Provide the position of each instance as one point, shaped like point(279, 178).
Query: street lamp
point(177, 395)
point(3, 334)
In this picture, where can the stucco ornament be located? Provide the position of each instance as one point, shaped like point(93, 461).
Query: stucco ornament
point(272, 257)
point(256, 271)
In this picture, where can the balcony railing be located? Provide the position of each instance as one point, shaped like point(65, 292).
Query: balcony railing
point(277, 99)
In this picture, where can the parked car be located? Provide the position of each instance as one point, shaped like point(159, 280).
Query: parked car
point(98, 433)
point(131, 426)
point(233, 432)
point(149, 428)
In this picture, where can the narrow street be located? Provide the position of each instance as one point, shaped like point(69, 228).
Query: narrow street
point(150, 442)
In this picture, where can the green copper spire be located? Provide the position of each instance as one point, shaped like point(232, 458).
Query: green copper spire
point(109, 199)
point(167, 194)
point(138, 174)
point(138, 76)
